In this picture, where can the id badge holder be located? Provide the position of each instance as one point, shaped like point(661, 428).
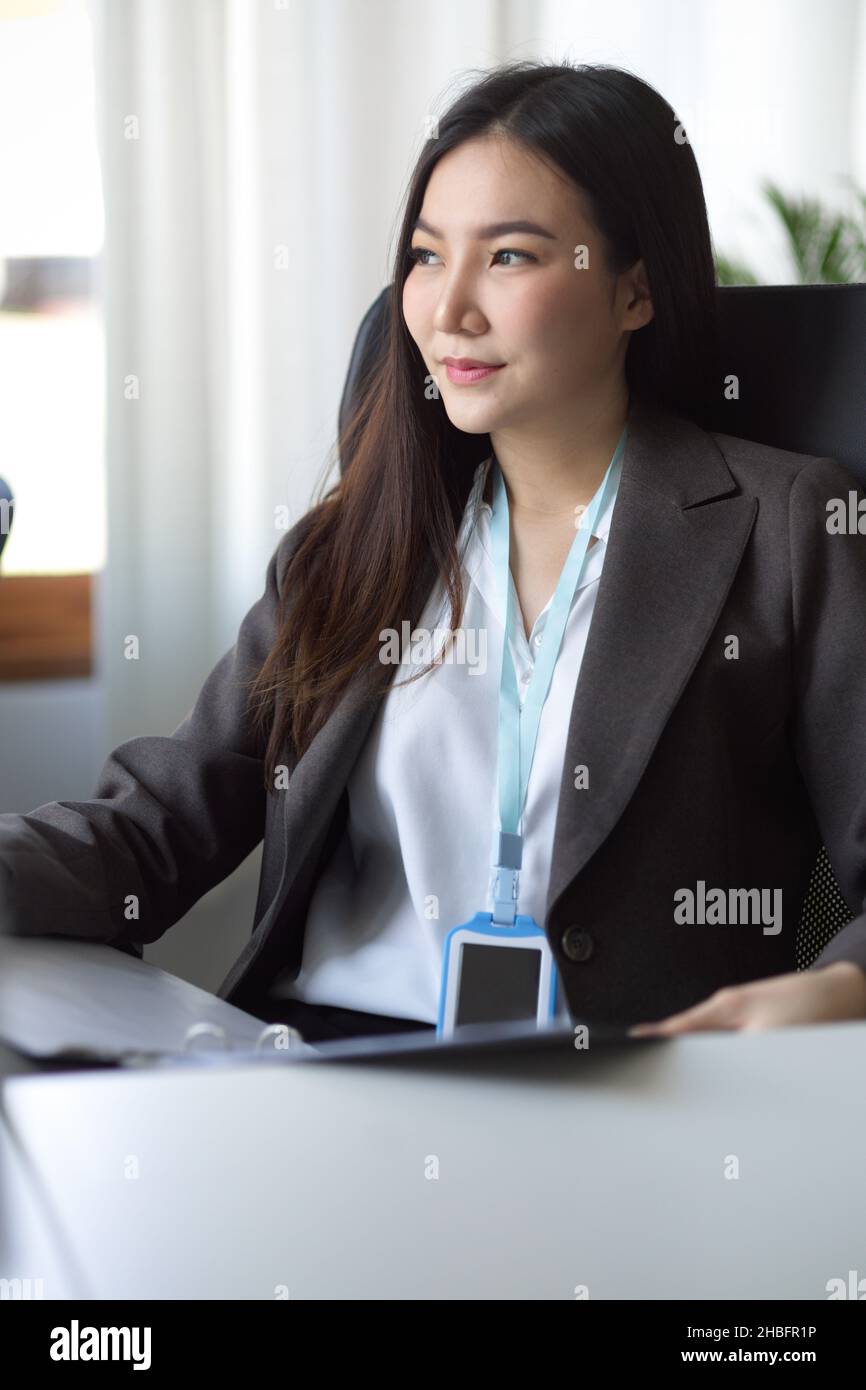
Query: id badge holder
point(495, 973)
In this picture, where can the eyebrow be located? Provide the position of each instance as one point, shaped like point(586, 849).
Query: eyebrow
point(493, 229)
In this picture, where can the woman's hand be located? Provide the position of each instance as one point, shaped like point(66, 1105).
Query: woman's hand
point(825, 995)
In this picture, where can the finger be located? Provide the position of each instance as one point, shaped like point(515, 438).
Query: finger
point(715, 1012)
point(701, 1023)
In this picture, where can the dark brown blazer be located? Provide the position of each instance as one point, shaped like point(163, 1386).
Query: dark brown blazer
point(703, 767)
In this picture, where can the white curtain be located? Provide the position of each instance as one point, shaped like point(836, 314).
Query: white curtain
point(252, 166)
point(254, 156)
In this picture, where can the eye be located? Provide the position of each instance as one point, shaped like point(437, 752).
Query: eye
point(508, 252)
point(417, 254)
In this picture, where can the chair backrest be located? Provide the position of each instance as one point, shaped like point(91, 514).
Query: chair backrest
point(794, 359)
point(798, 353)
point(7, 510)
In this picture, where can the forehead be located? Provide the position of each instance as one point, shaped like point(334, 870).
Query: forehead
point(493, 178)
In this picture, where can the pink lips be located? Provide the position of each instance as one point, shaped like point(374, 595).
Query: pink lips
point(463, 372)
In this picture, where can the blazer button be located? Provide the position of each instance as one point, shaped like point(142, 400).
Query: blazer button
point(577, 944)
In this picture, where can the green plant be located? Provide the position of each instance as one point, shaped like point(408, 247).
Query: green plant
point(826, 248)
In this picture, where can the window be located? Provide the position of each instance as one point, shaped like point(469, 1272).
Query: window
point(51, 340)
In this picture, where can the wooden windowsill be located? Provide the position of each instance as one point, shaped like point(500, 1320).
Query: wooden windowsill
point(45, 626)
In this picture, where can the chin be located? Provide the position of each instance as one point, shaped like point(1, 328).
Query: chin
point(470, 426)
point(473, 421)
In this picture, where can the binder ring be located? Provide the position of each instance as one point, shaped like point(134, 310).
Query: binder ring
point(205, 1030)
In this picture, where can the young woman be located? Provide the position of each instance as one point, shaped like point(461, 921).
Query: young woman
point(527, 454)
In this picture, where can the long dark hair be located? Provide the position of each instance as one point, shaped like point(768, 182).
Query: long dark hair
point(367, 554)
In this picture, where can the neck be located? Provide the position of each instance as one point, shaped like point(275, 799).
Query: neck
point(546, 476)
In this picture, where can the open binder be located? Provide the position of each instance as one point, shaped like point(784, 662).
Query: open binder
point(70, 1002)
point(81, 1001)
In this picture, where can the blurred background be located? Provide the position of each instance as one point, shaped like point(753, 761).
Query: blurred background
point(197, 205)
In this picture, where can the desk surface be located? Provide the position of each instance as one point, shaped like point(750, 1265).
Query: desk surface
point(523, 1178)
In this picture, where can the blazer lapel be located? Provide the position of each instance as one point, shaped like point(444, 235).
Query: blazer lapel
point(669, 564)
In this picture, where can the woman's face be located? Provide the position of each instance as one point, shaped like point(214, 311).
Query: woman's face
point(517, 295)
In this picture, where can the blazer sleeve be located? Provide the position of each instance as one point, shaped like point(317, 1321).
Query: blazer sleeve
point(828, 582)
point(171, 816)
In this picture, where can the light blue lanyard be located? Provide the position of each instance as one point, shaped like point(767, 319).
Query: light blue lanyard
point(518, 728)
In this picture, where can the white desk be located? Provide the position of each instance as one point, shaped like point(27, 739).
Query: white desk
point(609, 1173)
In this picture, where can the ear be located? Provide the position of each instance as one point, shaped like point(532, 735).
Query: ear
point(637, 298)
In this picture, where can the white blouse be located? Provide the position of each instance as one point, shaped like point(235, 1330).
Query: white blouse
point(415, 858)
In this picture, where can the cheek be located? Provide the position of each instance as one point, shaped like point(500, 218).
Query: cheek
point(415, 312)
point(563, 315)
point(545, 321)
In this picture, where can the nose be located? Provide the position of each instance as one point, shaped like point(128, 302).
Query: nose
point(457, 309)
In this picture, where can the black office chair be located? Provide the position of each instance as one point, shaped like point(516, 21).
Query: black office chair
point(7, 509)
point(799, 355)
